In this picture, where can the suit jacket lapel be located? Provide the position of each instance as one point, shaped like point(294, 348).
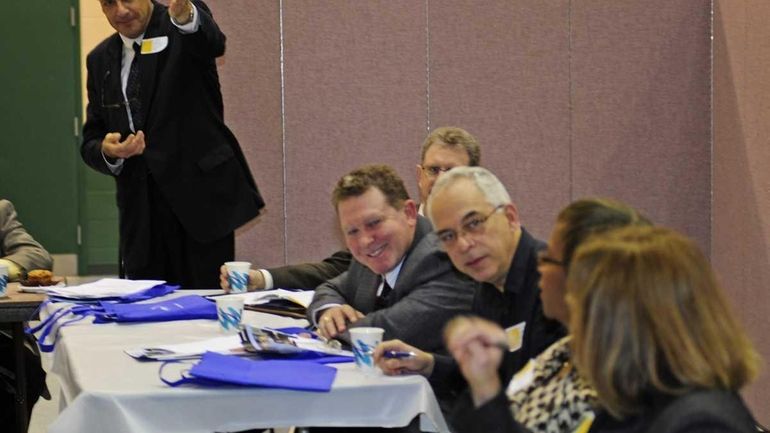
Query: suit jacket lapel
point(366, 293)
point(149, 62)
point(422, 229)
point(112, 90)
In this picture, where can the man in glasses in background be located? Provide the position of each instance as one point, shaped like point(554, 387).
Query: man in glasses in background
point(478, 226)
point(155, 123)
point(444, 148)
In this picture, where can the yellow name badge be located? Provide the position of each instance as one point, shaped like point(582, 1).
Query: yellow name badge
point(515, 336)
point(154, 45)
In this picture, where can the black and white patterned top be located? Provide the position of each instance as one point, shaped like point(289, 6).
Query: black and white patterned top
point(549, 396)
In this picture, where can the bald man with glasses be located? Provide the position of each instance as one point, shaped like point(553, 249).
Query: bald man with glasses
point(478, 226)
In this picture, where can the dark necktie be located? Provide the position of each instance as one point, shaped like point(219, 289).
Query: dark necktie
point(134, 89)
point(382, 300)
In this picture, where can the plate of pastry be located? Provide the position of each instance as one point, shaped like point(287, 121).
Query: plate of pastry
point(39, 280)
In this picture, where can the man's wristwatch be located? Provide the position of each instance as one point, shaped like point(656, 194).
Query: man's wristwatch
point(189, 17)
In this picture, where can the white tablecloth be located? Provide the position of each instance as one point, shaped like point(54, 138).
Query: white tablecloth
point(105, 390)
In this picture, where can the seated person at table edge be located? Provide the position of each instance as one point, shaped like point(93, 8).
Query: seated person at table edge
point(443, 149)
point(18, 250)
point(399, 279)
point(479, 227)
point(21, 253)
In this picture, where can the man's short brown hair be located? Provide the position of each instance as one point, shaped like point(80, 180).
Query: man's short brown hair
point(456, 138)
point(379, 176)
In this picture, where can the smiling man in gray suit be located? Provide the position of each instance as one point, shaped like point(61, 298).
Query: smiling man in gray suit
point(399, 279)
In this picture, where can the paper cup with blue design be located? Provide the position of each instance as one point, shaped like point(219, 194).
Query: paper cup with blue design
point(238, 276)
point(364, 340)
point(3, 280)
point(229, 313)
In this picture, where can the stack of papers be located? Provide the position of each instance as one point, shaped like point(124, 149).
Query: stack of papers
point(279, 301)
point(104, 288)
point(228, 345)
point(278, 343)
point(301, 298)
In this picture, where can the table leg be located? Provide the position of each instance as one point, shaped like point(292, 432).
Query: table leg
point(21, 377)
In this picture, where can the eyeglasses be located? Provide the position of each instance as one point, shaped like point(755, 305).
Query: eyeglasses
point(473, 225)
point(434, 170)
point(544, 259)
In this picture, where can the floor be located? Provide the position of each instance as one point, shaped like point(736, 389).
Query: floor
point(45, 411)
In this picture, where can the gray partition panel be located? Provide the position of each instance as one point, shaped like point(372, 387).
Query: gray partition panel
point(250, 75)
point(355, 94)
point(502, 72)
point(741, 235)
point(641, 128)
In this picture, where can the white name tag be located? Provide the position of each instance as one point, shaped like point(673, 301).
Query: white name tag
point(154, 45)
point(515, 336)
point(522, 379)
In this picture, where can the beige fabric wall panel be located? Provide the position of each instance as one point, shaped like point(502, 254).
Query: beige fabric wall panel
point(640, 108)
point(501, 71)
point(741, 234)
point(355, 89)
point(250, 75)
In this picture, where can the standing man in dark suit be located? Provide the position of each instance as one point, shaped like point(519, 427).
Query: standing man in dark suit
point(155, 123)
point(399, 279)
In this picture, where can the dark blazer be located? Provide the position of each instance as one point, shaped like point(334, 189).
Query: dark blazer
point(699, 411)
point(192, 157)
point(519, 302)
point(310, 275)
point(427, 293)
point(708, 411)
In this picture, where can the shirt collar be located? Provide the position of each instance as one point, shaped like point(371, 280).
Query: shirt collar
point(129, 43)
point(392, 275)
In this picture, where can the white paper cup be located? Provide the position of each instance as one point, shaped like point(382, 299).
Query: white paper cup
point(229, 313)
point(238, 276)
point(364, 340)
point(3, 280)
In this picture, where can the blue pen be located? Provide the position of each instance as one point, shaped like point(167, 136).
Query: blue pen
point(395, 354)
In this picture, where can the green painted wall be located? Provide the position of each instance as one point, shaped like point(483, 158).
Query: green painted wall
point(40, 166)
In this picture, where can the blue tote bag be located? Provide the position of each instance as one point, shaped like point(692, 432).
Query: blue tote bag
point(215, 369)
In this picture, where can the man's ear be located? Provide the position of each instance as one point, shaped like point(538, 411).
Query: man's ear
point(410, 210)
point(512, 213)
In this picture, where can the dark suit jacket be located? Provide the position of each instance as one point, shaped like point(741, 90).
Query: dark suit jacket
point(427, 293)
point(310, 275)
point(190, 154)
point(519, 302)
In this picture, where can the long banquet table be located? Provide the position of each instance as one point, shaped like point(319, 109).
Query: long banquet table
point(105, 390)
